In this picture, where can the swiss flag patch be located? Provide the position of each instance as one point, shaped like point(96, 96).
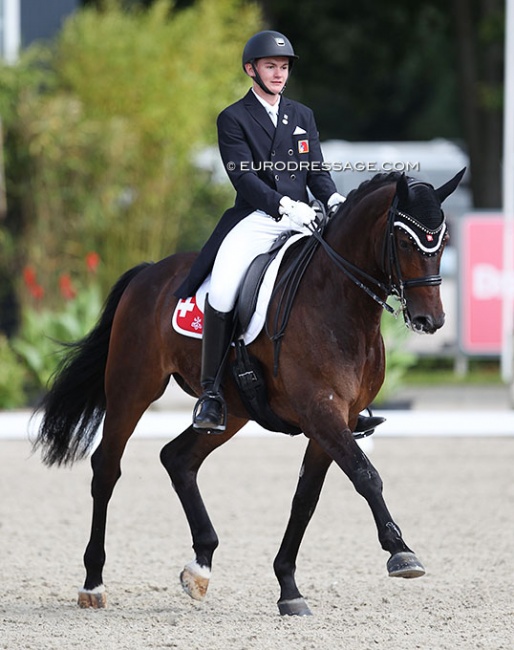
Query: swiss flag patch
point(188, 318)
point(303, 146)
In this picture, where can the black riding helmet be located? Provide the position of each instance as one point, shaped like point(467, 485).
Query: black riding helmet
point(267, 44)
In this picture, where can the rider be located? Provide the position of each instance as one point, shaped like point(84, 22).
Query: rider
point(271, 151)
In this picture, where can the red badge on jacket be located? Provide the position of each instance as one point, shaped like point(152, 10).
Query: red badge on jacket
point(303, 146)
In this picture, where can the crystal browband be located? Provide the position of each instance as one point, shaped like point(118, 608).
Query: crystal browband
point(428, 241)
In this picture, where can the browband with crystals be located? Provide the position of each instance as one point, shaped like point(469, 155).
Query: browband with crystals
point(428, 241)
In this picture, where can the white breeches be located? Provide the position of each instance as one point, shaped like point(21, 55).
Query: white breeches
point(252, 236)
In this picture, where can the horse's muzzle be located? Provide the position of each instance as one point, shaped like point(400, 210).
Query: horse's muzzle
point(426, 323)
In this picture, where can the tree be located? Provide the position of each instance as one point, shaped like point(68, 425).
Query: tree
point(372, 70)
point(404, 71)
point(106, 135)
point(479, 29)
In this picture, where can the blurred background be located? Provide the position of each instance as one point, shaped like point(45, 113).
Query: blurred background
point(108, 152)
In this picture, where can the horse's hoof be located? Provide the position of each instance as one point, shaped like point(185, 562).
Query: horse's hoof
point(294, 607)
point(195, 580)
point(94, 598)
point(405, 565)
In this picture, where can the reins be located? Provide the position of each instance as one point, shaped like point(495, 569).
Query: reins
point(287, 287)
point(350, 270)
point(391, 265)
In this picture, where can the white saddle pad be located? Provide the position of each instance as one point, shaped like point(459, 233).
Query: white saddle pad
point(188, 315)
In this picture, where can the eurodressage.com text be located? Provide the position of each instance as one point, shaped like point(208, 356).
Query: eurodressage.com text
point(316, 165)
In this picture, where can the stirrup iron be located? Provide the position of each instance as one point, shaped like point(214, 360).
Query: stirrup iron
point(366, 425)
point(216, 425)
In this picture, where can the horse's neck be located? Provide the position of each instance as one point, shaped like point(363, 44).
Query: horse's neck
point(358, 234)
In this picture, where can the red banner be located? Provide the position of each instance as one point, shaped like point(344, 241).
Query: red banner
point(481, 283)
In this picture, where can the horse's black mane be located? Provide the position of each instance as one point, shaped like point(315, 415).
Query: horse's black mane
point(370, 185)
point(379, 180)
point(422, 205)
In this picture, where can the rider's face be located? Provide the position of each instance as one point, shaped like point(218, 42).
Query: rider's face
point(273, 71)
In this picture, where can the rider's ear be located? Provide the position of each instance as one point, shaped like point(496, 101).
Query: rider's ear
point(445, 190)
point(402, 190)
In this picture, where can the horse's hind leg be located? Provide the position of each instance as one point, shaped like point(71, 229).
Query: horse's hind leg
point(182, 459)
point(119, 424)
point(312, 476)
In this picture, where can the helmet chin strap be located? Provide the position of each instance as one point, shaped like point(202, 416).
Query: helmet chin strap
point(262, 84)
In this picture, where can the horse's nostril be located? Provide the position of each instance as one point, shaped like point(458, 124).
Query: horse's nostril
point(427, 324)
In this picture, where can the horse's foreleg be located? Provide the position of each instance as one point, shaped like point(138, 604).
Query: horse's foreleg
point(403, 563)
point(312, 476)
point(182, 458)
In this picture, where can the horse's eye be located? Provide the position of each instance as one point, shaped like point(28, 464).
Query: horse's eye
point(404, 245)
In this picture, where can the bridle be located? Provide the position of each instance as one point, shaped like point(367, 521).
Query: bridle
point(402, 220)
point(286, 288)
point(396, 284)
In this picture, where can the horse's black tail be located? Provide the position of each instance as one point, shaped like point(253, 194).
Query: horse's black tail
point(75, 404)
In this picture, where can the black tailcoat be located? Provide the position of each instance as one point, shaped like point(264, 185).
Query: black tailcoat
point(264, 164)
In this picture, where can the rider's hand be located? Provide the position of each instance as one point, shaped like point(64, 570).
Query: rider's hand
point(334, 202)
point(300, 213)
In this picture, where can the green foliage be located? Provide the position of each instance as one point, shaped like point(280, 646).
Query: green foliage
point(440, 371)
point(363, 67)
point(16, 82)
point(12, 377)
point(100, 132)
point(46, 327)
point(398, 359)
point(107, 128)
point(44, 330)
point(211, 200)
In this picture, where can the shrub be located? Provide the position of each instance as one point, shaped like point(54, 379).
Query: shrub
point(44, 329)
point(12, 377)
point(108, 144)
point(398, 358)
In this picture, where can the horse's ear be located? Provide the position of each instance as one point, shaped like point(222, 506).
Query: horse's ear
point(402, 190)
point(448, 188)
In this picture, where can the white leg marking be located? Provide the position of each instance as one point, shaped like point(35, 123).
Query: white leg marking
point(195, 580)
point(95, 598)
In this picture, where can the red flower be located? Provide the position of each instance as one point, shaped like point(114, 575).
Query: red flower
point(36, 291)
point(92, 261)
point(29, 276)
point(66, 287)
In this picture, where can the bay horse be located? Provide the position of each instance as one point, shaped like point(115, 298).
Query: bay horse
point(387, 238)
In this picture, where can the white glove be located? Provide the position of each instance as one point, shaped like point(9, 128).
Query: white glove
point(335, 200)
point(300, 213)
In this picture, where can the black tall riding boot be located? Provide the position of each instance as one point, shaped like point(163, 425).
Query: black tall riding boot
point(209, 414)
point(366, 425)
